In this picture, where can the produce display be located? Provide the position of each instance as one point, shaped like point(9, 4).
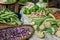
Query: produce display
point(43, 20)
point(36, 11)
point(7, 16)
point(16, 33)
point(46, 24)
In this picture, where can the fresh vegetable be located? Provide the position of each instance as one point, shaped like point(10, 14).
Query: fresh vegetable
point(59, 28)
point(27, 11)
point(22, 1)
point(40, 34)
point(42, 27)
point(55, 27)
point(58, 23)
point(43, 20)
point(57, 34)
point(16, 33)
point(49, 30)
point(53, 30)
point(47, 24)
point(39, 23)
point(38, 9)
point(6, 16)
point(35, 27)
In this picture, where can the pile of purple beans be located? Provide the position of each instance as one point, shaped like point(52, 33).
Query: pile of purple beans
point(15, 33)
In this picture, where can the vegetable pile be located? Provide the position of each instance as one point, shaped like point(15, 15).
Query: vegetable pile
point(46, 24)
point(36, 10)
point(16, 33)
point(6, 16)
point(43, 21)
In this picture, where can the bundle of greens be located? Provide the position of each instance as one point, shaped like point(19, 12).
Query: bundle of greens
point(6, 16)
point(46, 24)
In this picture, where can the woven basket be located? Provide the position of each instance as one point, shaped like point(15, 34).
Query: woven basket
point(13, 6)
point(6, 25)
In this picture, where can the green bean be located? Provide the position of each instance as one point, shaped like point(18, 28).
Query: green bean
point(7, 13)
point(9, 17)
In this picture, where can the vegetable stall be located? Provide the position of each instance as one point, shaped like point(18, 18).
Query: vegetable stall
point(29, 20)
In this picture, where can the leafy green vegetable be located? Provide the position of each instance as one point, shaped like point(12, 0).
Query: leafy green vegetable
point(33, 9)
point(58, 23)
point(22, 1)
point(39, 22)
point(55, 27)
point(51, 20)
point(49, 30)
point(36, 7)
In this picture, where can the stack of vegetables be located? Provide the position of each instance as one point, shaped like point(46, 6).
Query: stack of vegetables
point(36, 8)
point(7, 16)
point(16, 33)
point(46, 23)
